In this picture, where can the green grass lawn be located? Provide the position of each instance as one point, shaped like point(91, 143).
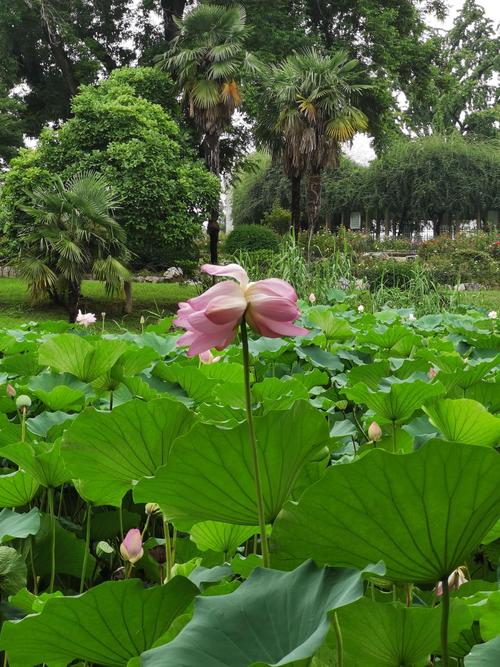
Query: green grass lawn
point(152, 301)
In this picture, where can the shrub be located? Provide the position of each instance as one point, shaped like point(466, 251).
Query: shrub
point(387, 273)
point(250, 238)
point(279, 220)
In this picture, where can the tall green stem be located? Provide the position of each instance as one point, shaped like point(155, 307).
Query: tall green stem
point(394, 437)
point(445, 613)
point(168, 550)
point(50, 498)
point(253, 445)
point(340, 643)
point(87, 547)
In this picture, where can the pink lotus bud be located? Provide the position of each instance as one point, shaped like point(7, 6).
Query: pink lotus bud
point(10, 391)
point(456, 579)
point(85, 319)
point(374, 432)
point(432, 373)
point(208, 358)
point(212, 319)
point(131, 547)
point(312, 298)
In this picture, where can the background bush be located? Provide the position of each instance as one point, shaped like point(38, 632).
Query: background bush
point(278, 219)
point(250, 238)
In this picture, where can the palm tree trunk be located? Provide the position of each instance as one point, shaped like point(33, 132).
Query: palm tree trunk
point(212, 157)
point(73, 301)
point(313, 204)
point(295, 204)
point(127, 288)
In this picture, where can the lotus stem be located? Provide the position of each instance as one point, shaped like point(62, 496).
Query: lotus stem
point(340, 643)
point(50, 498)
point(394, 437)
point(168, 550)
point(445, 613)
point(253, 445)
point(87, 547)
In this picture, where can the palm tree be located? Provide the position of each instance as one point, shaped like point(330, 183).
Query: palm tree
point(315, 94)
point(207, 59)
point(73, 234)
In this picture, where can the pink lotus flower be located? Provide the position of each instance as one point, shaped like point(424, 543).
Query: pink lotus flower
point(456, 579)
point(131, 547)
point(85, 319)
point(10, 391)
point(432, 373)
point(208, 358)
point(312, 298)
point(212, 319)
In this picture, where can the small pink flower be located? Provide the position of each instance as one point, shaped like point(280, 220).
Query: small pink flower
point(10, 391)
point(312, 298)
point(131, 547)
point(432, 373)
point(208, 358)
point(456, 579)
point(85, 319)
point(212, 319)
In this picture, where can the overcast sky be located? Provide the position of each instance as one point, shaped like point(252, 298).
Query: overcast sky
point(361, 150)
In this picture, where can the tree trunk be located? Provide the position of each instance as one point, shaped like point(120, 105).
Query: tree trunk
point(295, 204)
point(212, 157)
point(368, 226)
point(313, 204)
point(127, 288)
point(57, 49)
point(171, 8)
point(377, 228)
point(478, 220)
point(73, 301)
point(387, 223)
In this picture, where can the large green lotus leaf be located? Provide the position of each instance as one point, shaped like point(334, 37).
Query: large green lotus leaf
point(273, 618)
point(42, 461)
point(195, 383)
point(421, 513)
point(48, 424)
point(320, 358)
point(107, 625)
point(59, 391)
point(163, 345)
point(487, 393)
point(278, 394)
point(484, 655)
point(110, 450)
point(17, 489)
point(12, 571)
point(209, 475)
point(14, 525)
point(134, 361)
point(70, 551)
point(485, 606)
point(224, 372)
point(335, 328)
point(69, 353)
point(388, 338)
point(464, 377)
point(378, 634)
point(9, 431)
point(24, 364)
point(219, 537)
point(396, 401)
point(370, 374)
point(464, 420)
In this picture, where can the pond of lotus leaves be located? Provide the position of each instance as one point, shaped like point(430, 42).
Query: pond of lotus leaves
point(130, 531)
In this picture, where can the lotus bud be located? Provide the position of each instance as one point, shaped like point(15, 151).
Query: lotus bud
point(361, 308)
point(131, 547)
point(152, 508)
point(374, 432)
point(142, 320)
point(23, 402)
point(432, 373)
point(312, 298)
point(103, 315)
point(10, 391)
point(456, 579)
point(492, 314)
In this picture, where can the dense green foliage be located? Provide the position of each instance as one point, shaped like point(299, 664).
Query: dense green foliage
point(111, 422)
point(251, 237)
point(164, 191)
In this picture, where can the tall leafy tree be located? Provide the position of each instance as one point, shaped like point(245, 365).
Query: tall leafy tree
point(73, 233)
point(207, 59)
point(317, 95)
point(461, 94)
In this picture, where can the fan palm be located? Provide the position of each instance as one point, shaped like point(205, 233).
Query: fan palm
point(207, 59)
point(73, 234)
point(315, 94)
